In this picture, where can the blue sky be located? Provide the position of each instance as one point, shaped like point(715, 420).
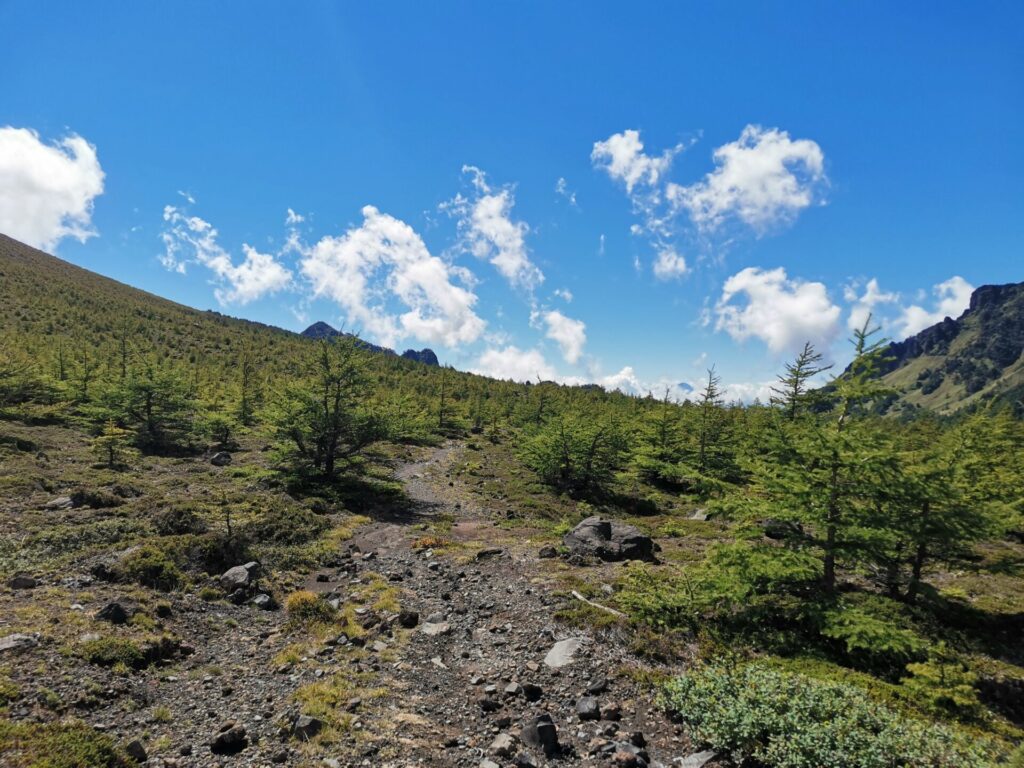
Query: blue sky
point(736, 178)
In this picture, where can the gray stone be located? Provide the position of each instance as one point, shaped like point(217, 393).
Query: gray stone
point(609, 540)
point(588, 709)
point(17, 642)
point(264, 602)
point(563, 652)
point(230, 739)
point(61, 502)
point(504, 745)
point(239, 577)
point(23, 580)
point(221, 459)
point(547, 552)
point(435, 629)
point(136, 751)
point(305, 727)
point(697, 759)
point(542, 734)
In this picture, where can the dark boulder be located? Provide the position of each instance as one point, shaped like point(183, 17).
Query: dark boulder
point(609, 540)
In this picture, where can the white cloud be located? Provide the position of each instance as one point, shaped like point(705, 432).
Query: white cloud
point(562, 188)
point(622, 157)
point(515, 364)
point(564, 294)
point(952, 297)
point(864, 305)
point(669, 264)
point(781, 312)
point(569, 334)
point(488, 231)
point(47, 190)
point(749, 391)
point(343, 269)
point(190, 239)
point(292, 218)
point(764, 179)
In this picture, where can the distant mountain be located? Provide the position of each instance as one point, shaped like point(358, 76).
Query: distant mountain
point(955, 363)
point(321, 330)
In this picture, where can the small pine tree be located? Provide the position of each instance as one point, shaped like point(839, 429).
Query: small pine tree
point(793, 393)
point(113, 446)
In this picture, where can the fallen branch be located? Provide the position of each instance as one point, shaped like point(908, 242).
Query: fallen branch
point(600, 607)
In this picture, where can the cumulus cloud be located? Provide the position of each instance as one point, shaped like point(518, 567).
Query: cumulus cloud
point(669, 264)
point(863, 304)
point(569, 334)
point(190, 239)
point(293, 219)
point(384, 258)
point(564, 294)
point(764, 179)
point(47, 190)
point(952, 297)
point(516, 364)
point(622, 157)
point(784, 313)
point(488, 231)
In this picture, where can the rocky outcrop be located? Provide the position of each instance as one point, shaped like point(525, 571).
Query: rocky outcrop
point(609, 540)
point(321, 330)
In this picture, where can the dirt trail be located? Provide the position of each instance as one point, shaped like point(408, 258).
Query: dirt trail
point(464, 682)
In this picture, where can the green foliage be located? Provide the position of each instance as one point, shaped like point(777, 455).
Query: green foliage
point(321, 420)
point(944, 685)
point(282, 523)
point(872, 636)
point(180, 518)
point(304, 607)
point(66, 744)
point(787, 720)
point(109, 651)
point(113, 446)
point(576, 452)
point(151, 567)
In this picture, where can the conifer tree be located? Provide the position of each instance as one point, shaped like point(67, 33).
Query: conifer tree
point(321, 418)
point(793, 393)
point(113, 445)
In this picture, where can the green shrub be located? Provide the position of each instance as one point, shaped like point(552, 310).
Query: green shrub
point(151, 567)
point(872, 637)
point(179, 519)
point(785, 720)
point(305, 607)
point(69, 744)
point(283, 524)
point(109, 651)
point(95, 498)
point(944, 685)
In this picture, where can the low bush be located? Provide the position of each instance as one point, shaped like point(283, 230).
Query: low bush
point(179, 519)
point(109, 651)
point(781, 719)
point(280, 523)
point(151, 567)
point(95, 498)
point(307, 607)
point(68, 744)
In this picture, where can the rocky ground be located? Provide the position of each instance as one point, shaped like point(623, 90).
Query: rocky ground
point(458, 660)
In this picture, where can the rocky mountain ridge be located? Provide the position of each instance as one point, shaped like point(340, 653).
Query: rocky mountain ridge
point(321, 330)
point(958, 362)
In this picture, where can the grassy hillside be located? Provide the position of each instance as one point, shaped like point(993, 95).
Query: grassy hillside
point(871, 569)
point(961, 363)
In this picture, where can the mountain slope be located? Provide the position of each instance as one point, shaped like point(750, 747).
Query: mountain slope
point(956, 363)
